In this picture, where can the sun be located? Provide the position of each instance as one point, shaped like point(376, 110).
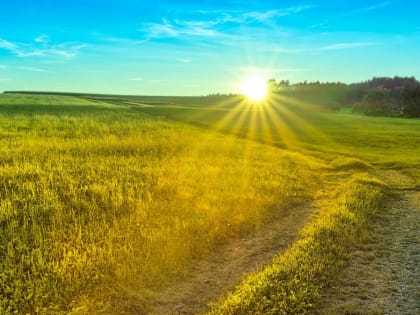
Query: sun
point(255, 88)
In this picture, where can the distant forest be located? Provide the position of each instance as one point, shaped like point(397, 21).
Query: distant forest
point(380, 96)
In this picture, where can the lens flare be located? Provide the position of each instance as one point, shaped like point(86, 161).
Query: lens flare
point(255, 88)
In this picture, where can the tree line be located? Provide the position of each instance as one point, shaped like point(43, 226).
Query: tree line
point(379, 96)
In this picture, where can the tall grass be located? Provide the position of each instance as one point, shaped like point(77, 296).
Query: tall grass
point(293, 283)
point(100, 206)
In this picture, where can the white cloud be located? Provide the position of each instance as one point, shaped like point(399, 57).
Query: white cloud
point(42, 48)
point(31, 53)
point(185, 60)
point(64, 53)
point(122, 40)
point(260, 16)
point(331, 47)
point(267, 15)
point(213, 21)
point(43, 39)
point(242, 17)
point(165, 29)
point(4, 44)
point(374, 7)
point(148, 80)
point(32, 69)
point(177, 28)
point(349, 45)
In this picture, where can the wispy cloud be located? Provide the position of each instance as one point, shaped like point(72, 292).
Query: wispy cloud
point(247, 17)
point(43, 39)
point(330, 47)
point(332, 20)
point(121, 40)
point(167, 29)
point(41, 47)
point(349, 45)
point(31, 53)
point(373, 7)
point(212, 24)
point(4, 44)
point(185, 60)
point(32, 69)
point(148, 80)
point(262, 16)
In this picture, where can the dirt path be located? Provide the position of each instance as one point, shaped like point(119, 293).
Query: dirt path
point(227, 266)
point(384, 276)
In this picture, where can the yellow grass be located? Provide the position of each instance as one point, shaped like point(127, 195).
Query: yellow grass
point(101, 206)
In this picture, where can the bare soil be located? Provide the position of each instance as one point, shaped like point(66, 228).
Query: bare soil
point(384, 276)
point(211, 278)
point(215, 275)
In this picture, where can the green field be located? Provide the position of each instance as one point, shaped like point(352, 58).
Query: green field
point(295, 124)
point(106, 200)
point(302, 126)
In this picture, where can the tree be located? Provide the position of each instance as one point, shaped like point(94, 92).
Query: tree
point(274, 86)
point(411, 101)
point(377, 102)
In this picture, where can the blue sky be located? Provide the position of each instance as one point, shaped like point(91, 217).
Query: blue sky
point(200, 47)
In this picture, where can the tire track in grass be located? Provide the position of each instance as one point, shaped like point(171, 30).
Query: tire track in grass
point(384, 275)
point(228, 264)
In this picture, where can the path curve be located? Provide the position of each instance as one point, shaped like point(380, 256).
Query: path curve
point(384, 276)
point(211, 277)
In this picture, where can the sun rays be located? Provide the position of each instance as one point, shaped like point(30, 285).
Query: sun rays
point(278, 120)
point(282, 118)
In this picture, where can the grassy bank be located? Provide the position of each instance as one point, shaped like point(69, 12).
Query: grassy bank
point(102, 205)
point(294, 282)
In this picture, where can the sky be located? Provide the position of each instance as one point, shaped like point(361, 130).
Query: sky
point(191, 47)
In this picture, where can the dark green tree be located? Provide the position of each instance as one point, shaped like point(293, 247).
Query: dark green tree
point(274, 86)
point(411, 101)
point(377, 102)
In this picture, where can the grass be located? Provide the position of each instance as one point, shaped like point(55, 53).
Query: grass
point(391, 142)
point(352, 143)
point(293, 283)
point(102, 205)
point(107, 199)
